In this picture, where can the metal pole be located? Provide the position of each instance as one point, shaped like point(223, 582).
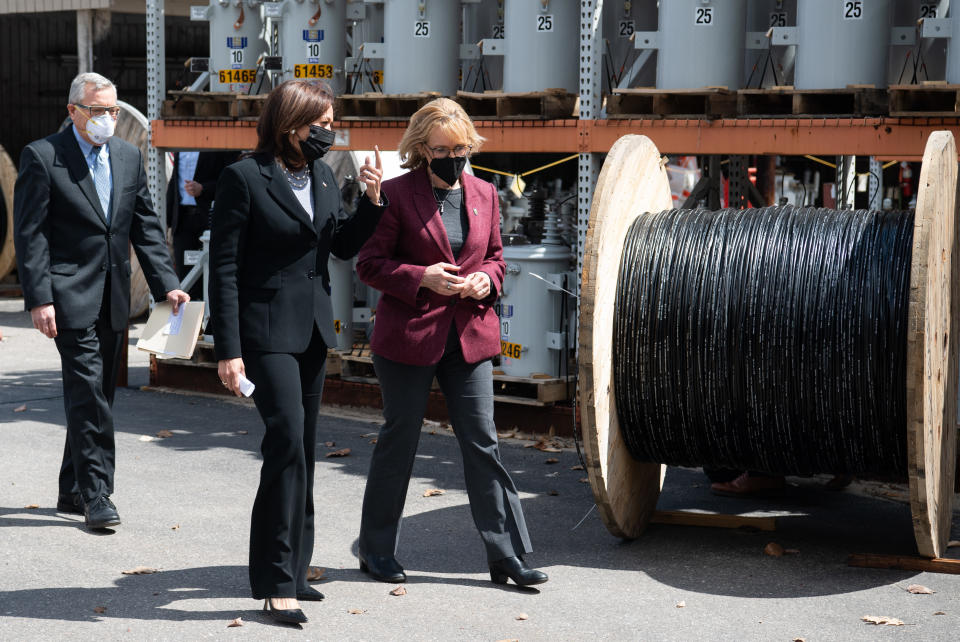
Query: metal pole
point(156, 90)
point(84, 41)
point(588, 165)
point(875, 185)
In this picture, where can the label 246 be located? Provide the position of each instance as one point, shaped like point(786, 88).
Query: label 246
point(512, 350)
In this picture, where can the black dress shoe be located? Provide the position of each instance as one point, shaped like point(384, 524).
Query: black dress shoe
point(383, 568)
point(517, 570)
point(70, 503)
point(287, 616)
point(101, 513)
point(309, 594)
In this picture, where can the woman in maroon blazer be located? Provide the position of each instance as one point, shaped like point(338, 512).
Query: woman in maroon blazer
point(437, 258)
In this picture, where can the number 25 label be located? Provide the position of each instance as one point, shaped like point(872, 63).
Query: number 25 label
point(853, 9)
point(703, 16)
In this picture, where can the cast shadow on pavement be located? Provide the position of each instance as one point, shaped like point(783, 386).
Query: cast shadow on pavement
point(158, 597)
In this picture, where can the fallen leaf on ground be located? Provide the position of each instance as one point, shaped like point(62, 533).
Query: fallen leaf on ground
point(163, 434)
point(140, 570)
point(553, 493)
point(368, 435)
point(583, 480)
point(373, 441)
point(792, 551)
point(356, 611)
point(99, 609)
point(577, 467)
point(506, 435)
point(522, 616)
point(175, 527)
point(20, 408)
point(773, 550)
point(553, 460)
point(343, 452)
point(398, 591)
point(939, 613)
point(430, 492)
point(236, 622)
point(549, 449)
point(315, 573)
point(882, 619)
point(920, 589)
point(31, 506)
point(242, 432)
point(799, 640)
point(329, 444)
point(146, 438)
point(681, 604)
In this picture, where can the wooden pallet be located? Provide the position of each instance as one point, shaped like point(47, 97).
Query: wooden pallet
point(200, 104)
point(925, 100)
point(550, 104)
point(708, 102)
point(334, 364)
point(357, 368)
point(787, 101)
point(535, 390)
point(381, 106)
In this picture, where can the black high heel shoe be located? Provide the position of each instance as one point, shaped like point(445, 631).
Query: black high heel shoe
point(310, 594)
point(384, 568)
point(287, 616)
point(517, 570)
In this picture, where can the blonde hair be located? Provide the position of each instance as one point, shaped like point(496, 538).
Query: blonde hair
point(440, 113)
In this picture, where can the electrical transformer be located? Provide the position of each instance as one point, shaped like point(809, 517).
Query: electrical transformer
point(421, 48)
point(313, 41)
point(540, 45)
point(236, 42)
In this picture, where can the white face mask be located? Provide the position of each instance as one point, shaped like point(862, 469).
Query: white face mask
point(101, 128)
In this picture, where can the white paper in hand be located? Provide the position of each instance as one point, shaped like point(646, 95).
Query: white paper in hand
point(174, 323)
point(246, 386)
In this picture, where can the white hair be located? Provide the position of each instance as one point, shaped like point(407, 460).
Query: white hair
point(78, 88)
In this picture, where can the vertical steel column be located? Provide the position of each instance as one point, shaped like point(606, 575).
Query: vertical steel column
point(875, 186)
point(846, 183)
point(588, 165)
point(156, 89)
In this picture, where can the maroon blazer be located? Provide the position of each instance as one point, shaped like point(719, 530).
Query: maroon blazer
point(412, 323)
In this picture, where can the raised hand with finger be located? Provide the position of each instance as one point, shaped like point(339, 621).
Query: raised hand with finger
point(371, 175)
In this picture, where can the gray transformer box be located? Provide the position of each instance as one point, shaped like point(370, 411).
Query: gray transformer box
point(236, 42)
point(313, 41)
point(421, 48)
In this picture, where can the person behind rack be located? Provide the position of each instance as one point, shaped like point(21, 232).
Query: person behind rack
point(437, 259)
point(277, 218)
point(189, 198)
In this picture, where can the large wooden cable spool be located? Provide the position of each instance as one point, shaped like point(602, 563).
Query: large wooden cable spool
point(133, 127)
point(8, 178)
point(632, 182)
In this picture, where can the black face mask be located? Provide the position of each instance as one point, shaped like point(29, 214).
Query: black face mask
point(317, 143)
point(448, 169)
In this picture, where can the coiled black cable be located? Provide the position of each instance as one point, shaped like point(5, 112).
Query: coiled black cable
point(765, 339)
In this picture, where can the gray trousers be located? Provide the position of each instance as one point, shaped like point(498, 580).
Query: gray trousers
point(468, 388)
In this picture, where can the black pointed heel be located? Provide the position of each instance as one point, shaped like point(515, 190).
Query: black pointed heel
point(287, 616)
point(517, 570)
point(310, 594)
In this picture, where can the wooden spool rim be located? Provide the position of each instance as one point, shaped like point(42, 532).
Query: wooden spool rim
point(633, 181)
point(8, 178)
point(932, 348)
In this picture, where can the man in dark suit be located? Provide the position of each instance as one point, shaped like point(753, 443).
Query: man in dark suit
point(189, 198)
point(80, 199)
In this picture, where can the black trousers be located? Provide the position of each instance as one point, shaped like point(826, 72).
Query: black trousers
point(287, 395)
point(190, 225)
point(468, 389)
point(89, 359)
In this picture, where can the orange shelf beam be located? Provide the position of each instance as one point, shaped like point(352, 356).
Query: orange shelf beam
point(889, 138)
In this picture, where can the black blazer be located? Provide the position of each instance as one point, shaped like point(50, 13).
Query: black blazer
point(209, 167)
point(269, 283)
point(64, 245)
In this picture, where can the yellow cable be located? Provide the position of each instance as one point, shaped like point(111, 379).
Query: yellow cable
point(492, 171)
point(562, 160)
point(819, 160)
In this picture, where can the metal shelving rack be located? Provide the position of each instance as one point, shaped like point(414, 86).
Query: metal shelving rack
point(884, 138)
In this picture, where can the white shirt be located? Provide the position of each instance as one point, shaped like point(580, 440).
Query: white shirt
point(186, 168)
point(305, 196)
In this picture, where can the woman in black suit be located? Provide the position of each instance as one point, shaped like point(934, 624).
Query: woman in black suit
point(277, 217)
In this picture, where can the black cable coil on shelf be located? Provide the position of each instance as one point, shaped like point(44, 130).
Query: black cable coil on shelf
point(766, 339)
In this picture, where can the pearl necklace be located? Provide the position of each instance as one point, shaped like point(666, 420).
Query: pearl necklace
point(297, 180)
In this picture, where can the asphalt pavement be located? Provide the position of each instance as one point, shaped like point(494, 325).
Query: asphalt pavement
point(185, 503)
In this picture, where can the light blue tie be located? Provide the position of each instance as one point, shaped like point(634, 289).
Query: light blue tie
point(101, 179)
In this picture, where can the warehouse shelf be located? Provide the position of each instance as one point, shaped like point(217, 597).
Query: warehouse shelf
point(882, 137)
